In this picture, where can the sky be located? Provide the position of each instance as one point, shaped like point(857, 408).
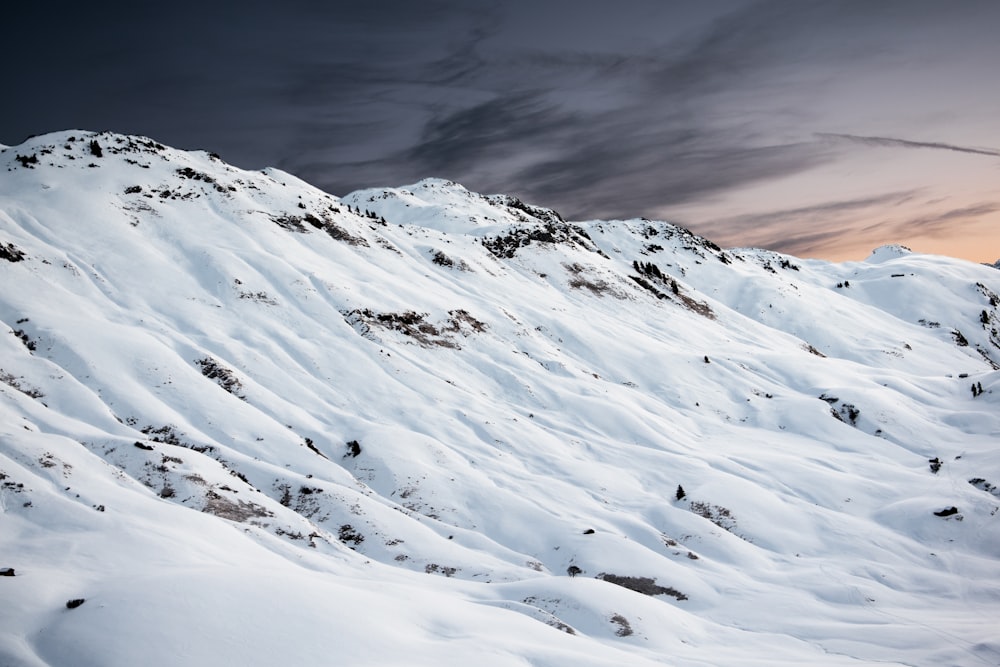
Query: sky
point(819, 129)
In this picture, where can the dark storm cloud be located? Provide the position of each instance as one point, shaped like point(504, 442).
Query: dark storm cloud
point(622, 162)
point(666, 138)
point(685, 121)
point(504, 124)
point(254, 83)
point(633, 175)
point(904, 143)
point(385, 92)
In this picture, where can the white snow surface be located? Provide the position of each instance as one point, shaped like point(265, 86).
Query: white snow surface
point(248, 425)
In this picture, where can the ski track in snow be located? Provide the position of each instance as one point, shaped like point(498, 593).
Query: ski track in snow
point(248, 422)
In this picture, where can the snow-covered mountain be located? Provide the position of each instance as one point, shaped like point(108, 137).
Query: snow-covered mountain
point(247, 422)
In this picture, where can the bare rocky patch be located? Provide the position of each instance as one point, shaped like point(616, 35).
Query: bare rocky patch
point(644, 585)
point(844, 412)
point(416, 326)
point(624, 627)
point(720, 516)
point(17, 382)
point(438, 257)
point(434, 568)
point(234, 510)
point(322, 221)
point(551, 230)
point(983, 485)
point(223, 376)
point(664, 286)
point(11, 253)
point(581, 278)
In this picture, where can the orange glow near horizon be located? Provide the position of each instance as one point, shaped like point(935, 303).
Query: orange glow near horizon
point(932, 201)
point(973, 240)
point(968, 249)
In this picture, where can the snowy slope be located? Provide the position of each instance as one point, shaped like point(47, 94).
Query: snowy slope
point(249, 422)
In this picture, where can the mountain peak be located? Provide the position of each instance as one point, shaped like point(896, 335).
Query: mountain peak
point(887, 252)
point(449, 207)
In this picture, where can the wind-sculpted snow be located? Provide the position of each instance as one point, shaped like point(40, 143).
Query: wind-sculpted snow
point(243, 421)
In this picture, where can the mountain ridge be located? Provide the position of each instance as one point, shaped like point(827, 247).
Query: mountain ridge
point(616, 428)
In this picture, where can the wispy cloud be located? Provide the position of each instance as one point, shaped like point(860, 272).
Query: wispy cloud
point(849, 227)
point(675, 130)
point(806, 229)
point(892, 142)
point(943, 222)
point(825, 209)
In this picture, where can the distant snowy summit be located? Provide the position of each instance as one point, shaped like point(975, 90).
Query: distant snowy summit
point(447, 206)
point(887, 252)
